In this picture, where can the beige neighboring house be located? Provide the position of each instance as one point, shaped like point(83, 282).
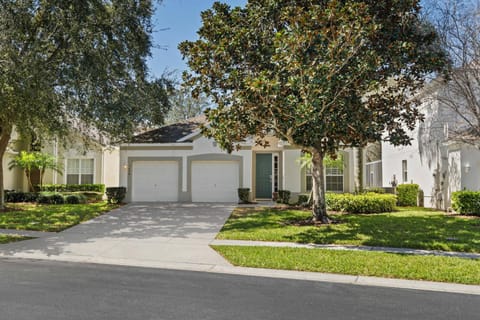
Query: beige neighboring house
point(80, 165)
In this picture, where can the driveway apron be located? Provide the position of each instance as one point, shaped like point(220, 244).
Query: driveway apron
point(175, 235)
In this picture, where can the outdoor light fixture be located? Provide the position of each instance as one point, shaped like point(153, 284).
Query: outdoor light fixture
point(467, 167)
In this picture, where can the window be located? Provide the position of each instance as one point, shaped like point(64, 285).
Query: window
point(404, 171)
point(333, 176)
point(80, 171)
point(334, 179)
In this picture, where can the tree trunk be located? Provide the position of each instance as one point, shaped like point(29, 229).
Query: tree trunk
point(360, 165)
point(5, 134)
point(319, 208)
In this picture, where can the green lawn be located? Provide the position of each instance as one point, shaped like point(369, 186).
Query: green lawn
point(408, 228)
point(379, 264)
point(55, 218)
point(4, 238)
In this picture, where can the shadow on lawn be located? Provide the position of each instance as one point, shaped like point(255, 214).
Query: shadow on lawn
point(435, 232)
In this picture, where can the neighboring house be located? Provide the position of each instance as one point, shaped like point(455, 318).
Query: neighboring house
point(80, 165)
point(434, 160)
point(177, 163)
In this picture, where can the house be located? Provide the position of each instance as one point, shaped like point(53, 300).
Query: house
point(80, 165)
point(436, 160)
point(177, 163)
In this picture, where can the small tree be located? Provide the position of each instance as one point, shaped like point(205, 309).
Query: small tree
point(318, 74)
point(32, 161)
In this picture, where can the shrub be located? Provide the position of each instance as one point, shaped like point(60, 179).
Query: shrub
point(13, 197)
point(73, 188)
point(244, 195)
point(407, 195)
point(466, 202)
point(43, 199)
point(57, 199)
point(374, 190)
point(362, 203)
point(72, 199)
point(116, 194)
point(303, 200)
point(283, 196)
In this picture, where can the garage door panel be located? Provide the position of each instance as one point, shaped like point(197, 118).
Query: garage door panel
point(155, 181)
point(215, 181)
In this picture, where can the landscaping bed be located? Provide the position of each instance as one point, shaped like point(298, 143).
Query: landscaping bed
point(410, 227)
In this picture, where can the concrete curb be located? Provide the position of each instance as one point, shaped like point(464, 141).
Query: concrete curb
point(271, 273)
point(344, 247)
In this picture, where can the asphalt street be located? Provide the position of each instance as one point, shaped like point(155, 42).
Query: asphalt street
point(59, 290)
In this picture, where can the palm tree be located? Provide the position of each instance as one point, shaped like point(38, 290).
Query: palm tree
point(31, 161)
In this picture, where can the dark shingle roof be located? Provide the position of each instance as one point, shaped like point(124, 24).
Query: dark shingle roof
point(170, 133)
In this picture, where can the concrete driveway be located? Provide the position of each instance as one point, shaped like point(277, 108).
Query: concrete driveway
point(169, 235)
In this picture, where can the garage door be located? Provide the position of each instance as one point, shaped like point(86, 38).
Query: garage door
point(155, 181)
point(215, 181)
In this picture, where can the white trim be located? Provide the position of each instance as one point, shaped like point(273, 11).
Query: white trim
point(191, 135)
point(373, 162)
point(183, 144)
point(80, 168)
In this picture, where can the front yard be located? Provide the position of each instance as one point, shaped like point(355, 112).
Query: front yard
point(53, 218)
point(416, 228)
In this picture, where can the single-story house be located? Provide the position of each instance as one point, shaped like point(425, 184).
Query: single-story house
point(177, 163)
point(96, 164)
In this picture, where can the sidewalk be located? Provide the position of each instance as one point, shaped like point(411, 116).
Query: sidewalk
point(27, 233)
point(344, 247)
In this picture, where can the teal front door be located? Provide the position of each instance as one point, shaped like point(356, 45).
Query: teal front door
point(263, 176)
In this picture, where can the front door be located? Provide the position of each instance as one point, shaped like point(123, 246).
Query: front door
point(263, 176)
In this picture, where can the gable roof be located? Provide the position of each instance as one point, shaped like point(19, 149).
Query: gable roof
point(171, 133)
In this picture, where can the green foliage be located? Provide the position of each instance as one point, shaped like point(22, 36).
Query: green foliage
point(362, 203)
point(30, 161)
point(284, 196)
point(374, 190)
point(50, 198)
point(407, 195)
point(244, 195)
point(15, 197)
point(116, 194)
point(79, 64)
point(321, 75)
point(184, 104)
point(74, 199)
point(466, 202)
point(73, 187)
point(303, 200)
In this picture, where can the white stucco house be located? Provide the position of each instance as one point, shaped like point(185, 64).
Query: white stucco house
point(435, 160)
point(96, 164)
point(176, 163)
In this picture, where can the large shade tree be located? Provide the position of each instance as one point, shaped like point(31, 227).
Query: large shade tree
point(81, 64)
point(320, 74)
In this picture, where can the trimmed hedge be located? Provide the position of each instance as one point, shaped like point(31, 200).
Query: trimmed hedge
point(361, 203)
point(303, 200)
point(72, 188)
point(407, 195)
point(244, 195)
point(374, 190)
point(19, 196)
point(466, 202)
point(283, 196)
point(116, 194)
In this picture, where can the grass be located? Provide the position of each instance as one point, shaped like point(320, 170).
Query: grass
point(378, 264)
point(9, 238)
point(417, 228)
point(51, 218)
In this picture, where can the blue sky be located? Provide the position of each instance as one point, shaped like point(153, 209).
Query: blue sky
point(176, 21)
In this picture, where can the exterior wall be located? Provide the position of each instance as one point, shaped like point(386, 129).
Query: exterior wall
point(12, 179)
point(470, 168)
point(111, 167)
point(202, 146)
point(292, 173)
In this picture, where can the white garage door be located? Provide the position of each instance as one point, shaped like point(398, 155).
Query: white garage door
point(155, 181)
point(215, 181)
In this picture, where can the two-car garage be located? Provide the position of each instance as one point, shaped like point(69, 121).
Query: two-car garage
point(206, 180)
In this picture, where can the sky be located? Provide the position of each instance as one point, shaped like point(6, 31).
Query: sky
point(176, 21)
